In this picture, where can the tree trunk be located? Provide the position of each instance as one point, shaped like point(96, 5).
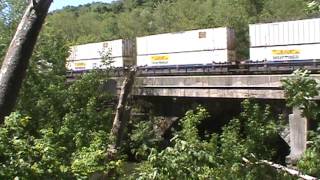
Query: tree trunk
point(16, 61)
point(122, 115)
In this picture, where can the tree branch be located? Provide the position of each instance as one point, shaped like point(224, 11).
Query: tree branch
point(281, 168)
point(122, 114)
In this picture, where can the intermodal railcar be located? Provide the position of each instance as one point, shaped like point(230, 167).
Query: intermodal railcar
point(274, 47)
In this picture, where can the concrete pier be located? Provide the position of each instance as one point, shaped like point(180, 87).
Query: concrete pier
point(298, 134)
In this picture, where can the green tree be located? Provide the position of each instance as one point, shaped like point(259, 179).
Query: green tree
point(135, 23)
point(236, 14)
point(300, 89)
point(313, 7)
point(10, 13)
point(44, 88)
point(283, 10)
point(60, 127)
point(182, 15)
point(191, 157)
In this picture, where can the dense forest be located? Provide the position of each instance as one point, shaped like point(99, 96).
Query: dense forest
point(131, 18)
point(61, 130)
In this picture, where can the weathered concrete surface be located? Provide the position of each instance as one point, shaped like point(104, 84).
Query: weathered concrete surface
point(298, 134)
point(229, 81)
point(215, 86)
point(210, 93)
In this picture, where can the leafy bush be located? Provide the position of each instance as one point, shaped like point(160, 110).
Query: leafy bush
point(190, 157)
point(60, 131)
point(15, 147)
point(254, 132)
point(221, 157)
point(299, 89)
point(91, 160)
point(310, 162)
point(142, 139)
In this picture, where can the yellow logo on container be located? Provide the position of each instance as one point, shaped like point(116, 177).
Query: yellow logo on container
point(282, 52)
point(159, 58)
point(80, 65)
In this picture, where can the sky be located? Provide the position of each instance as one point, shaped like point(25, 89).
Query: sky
point(58, 4)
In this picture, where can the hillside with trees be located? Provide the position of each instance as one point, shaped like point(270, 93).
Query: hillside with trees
point(61, 130)
point(133, 18)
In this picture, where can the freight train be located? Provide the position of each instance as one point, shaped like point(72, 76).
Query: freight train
point(278, 47)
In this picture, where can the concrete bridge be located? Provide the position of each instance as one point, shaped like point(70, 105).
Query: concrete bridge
point(214, 86)
point(230, 86)
point(263, 87)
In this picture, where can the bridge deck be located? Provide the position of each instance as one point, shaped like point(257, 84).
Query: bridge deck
point(214, 86)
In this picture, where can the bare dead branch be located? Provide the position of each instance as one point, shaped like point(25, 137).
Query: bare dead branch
point(122, 114)
point(281, 168)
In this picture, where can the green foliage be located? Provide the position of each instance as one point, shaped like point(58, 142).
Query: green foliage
point(142, 139)
point(65, 136)
point(190, 122)
point(15, 149)
point(273, 10)
point(25, 156)
point(44, 88)
point(310, 162)
point(10, 13)
point(253, 132)
point(299, 89)
point(49, 153)
point(73, 145)
point(191, 157)
point(71, 25)
point(313, 7)
point(87, 161)
point(173, 16)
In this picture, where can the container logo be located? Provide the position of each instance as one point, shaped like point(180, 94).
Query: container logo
point(283, 52)
point(80, 65)
point(286, 54)
point(160, 59)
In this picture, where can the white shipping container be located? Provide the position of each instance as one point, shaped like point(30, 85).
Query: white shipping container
point(283, 53)
point(186, 58)
point(285, 33)
point(201, 46)
point(95, 64)
point(89, 56)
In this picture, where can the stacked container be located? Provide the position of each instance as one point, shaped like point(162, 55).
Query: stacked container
point(116, 53)
point(203, 46)
point(283, 41)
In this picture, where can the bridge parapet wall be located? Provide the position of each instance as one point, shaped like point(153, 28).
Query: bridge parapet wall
point(215, 86)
